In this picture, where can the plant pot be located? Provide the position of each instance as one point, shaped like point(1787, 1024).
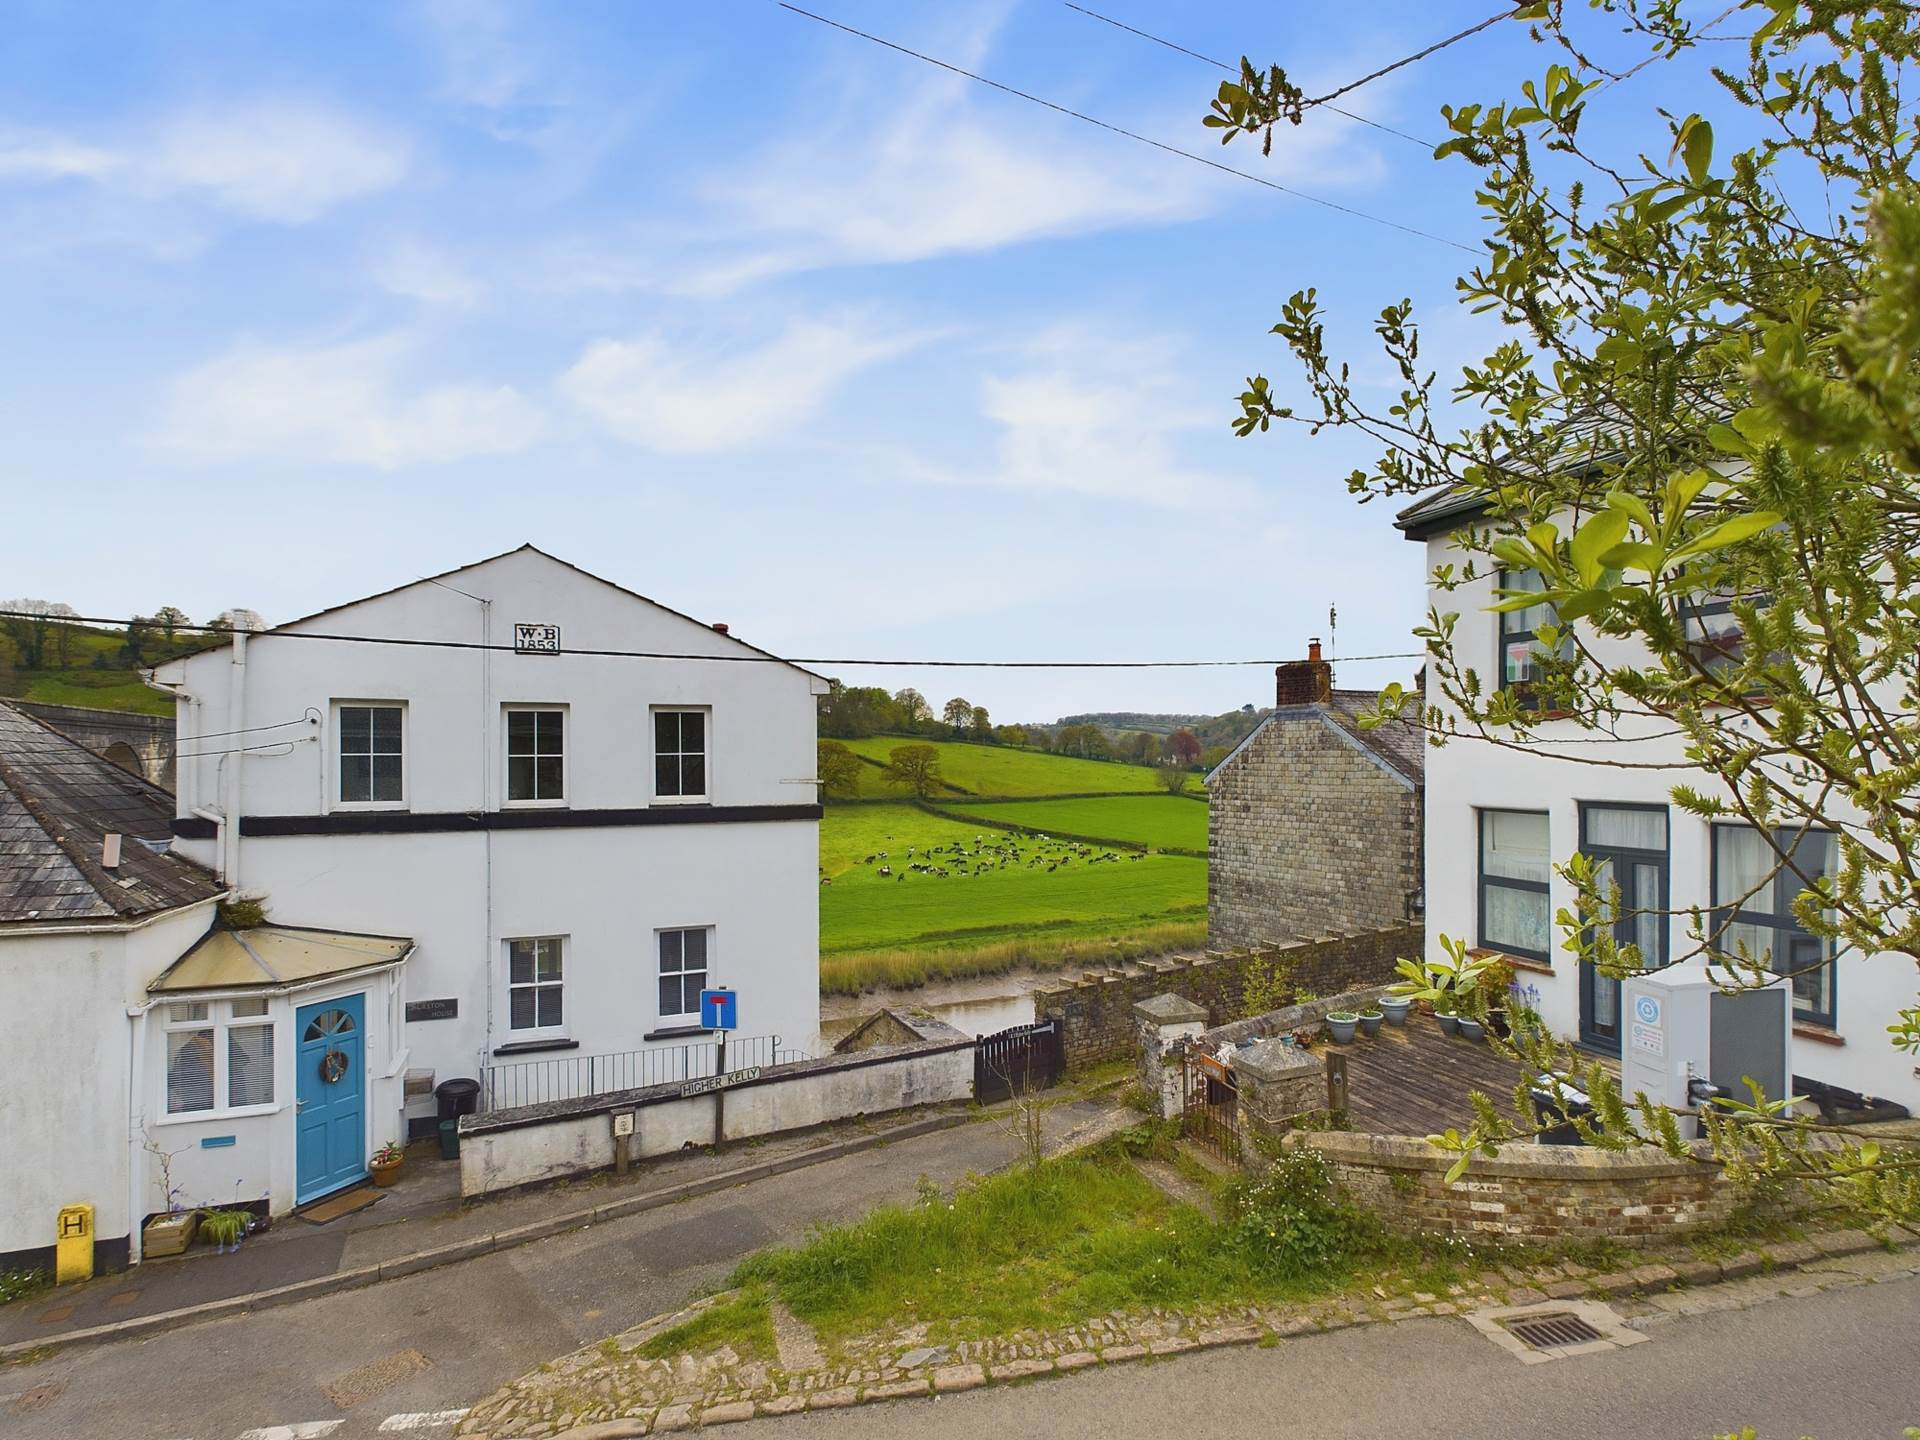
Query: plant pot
point(1395, 1008)
point(1370, 1021)
point(1447, 1023)
point(1341, 1026)
point(385, 1175)
point(1472, 1029)
point(169, 1234)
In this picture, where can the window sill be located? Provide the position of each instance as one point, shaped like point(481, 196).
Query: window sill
point(1819, 1034)
point(683, 800)
point(240, 1112)
point(1519, 962)
point(534, 1047)
point(369, 807)
point(533, 804)
point(677, 1032)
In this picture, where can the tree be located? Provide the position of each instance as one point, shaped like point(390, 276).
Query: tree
point(9, 680)
point(1010, 734)
point(170, 618)
point(1707, 394)
point(980, 723)
point(854, 712)
point(913, 705)
point(238, 619)
point(1183, 747)
point(837, 768)
point(915, 768)
point(1089, 742)
point(31, 624)
point(1173, 779)
point(1140, 747)
point(957, 712)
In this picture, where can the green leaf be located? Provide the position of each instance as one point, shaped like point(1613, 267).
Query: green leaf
point(1634, 555)
point(1698, 144)
point(1728, 532)
point(1725, 437)
point(1598, 535)
point(1633, 505)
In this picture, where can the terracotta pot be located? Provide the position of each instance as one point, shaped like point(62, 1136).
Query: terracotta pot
point(385, 1175)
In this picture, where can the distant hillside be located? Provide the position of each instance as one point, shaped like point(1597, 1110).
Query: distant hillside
point(1226, 729)
point(67, 664)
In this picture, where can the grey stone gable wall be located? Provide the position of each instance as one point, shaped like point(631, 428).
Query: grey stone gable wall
point(1308, 832)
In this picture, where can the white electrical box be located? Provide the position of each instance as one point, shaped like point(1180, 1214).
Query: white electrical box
point(1678, 1025)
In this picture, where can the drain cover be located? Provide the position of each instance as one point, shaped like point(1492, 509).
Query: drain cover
point(1551, 1331)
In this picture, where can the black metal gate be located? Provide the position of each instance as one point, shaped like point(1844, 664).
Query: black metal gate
point(1027, 1057)
point(1210, 1108)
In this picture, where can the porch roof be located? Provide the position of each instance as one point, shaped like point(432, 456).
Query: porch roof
point(276, 955)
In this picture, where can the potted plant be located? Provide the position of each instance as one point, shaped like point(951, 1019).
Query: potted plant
point(1341, 1024)
point(1395, 1008)
point(1471, 1028)
point(173, 1232)
point(1445, 1014)
point(225, 1228)
point(386, 1163)
point(1370, 1021)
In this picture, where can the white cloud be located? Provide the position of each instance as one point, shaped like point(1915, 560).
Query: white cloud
point(418, 271)
point(347, 403)
point(664, 396)
point(282, 162)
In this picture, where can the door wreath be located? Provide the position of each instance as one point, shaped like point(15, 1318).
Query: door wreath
point(333, 1066)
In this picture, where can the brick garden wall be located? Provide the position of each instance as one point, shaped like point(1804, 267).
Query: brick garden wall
point(1546, 1192)
point(1097, 1012)
point(1307, 833)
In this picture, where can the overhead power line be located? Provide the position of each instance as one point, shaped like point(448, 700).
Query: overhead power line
point(757, 658)
point(1417, 55)
point(1133, 135)
point(1230, 69)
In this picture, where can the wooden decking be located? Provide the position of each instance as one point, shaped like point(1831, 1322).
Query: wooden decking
point(1412, 1080)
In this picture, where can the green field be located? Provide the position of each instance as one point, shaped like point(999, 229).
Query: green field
point(1164, 822)
point(101, 689)
point(908, 895)
point(1000, 770)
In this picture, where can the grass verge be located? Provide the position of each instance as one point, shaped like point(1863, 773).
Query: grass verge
point(23, 1284)
point(744, 1322)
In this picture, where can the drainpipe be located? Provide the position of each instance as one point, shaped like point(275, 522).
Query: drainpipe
point(136, 1132)
point(237, 724)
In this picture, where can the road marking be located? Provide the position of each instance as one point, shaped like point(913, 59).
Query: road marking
point(299, 1430)
point(422, 1420)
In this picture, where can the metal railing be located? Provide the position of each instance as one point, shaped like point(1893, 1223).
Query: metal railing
point(576, 1077)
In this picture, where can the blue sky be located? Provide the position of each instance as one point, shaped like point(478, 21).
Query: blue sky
point(747, 314)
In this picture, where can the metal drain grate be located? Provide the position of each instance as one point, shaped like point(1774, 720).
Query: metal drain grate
point(1551, 1332)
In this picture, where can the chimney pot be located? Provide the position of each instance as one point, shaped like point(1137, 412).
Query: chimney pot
point(720, 627)
point(1304, 682)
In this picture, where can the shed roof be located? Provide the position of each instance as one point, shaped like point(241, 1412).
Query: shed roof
point(58, 802)
point(277, 955)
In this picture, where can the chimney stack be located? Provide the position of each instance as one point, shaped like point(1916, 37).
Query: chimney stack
point(1304, 682)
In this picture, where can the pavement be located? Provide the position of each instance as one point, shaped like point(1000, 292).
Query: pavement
point(407, 1355)
point(423, 1213)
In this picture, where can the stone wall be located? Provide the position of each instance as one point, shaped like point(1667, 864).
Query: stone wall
point(142, 744)
point(1097, 1012)
point(1561, 1193)
point(1308, 831)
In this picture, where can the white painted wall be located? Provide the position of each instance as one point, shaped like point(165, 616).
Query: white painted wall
point(461, 895)
point(1467, 775)
point(64, 1107)
point(868, 1082)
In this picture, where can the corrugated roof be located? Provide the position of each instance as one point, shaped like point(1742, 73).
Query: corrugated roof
point(274, 955)
point(58, 801)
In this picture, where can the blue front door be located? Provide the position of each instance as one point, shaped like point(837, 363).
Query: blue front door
point(330, 1096)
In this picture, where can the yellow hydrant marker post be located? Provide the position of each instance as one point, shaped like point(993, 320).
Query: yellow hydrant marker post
point(73, 1247)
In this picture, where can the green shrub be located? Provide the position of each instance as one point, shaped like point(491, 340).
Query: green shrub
point(22, 1284)
point(1293, 1224)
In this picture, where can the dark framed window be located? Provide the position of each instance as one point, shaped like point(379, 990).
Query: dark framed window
point(1628, 846)
point(680, 754)
point(536, 756)
point(536, 993)
point(371, 760)
point(1515, 871)
point(1753, 895)
point(683, 972)
point(1520, 648)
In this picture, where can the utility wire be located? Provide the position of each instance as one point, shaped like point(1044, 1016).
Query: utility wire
point(1418, 55)
point(1133, 135)
point(758, 658)
point(1231, 69)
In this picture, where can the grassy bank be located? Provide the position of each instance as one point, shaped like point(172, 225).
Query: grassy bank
point(1163, 822)
point(1001, 770)
point(1062, 948)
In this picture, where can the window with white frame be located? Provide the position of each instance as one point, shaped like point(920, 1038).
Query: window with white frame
point(683, 972)
point(1515, 870)
point(1521, 651)
point(372, 759)
point(536, 756)
point(680, 754)
point(535, 984)
point(216, 1049)
point(1754, 886)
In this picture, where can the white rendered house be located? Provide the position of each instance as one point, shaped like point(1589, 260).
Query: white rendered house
point(1497, 819)
point(479, 843)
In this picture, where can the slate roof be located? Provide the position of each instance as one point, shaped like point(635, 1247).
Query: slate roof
point(58, 800)
point(1401, 744)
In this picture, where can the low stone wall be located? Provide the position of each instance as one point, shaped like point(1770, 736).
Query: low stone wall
point(1544, 1192)
point(509, 1148)
point(1097, 1012)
